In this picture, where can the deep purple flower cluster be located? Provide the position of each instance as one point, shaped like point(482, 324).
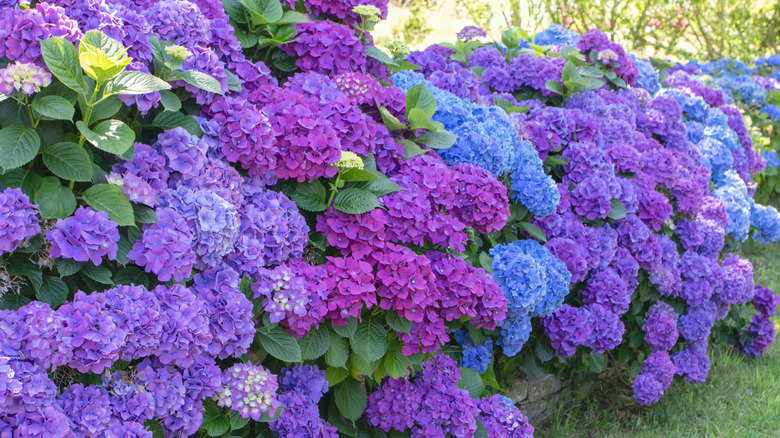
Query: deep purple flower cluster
point(609, 53)
point(660, 327)
point(23, 29)
point(350, 285)
point(342, 10)
point(480, 199)
point(88, 235)
point(302, 388)
point(249, 390)
point(657, 373)
point(166, 247)
point(567, 328)
point(326, 47)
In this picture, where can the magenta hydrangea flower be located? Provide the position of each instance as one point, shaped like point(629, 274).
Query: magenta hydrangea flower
point(24, 78)
point(342, 10)
point(249, 390)
point(405, 282)
point(166, 247)
point(350, 285)
point(88, 235)
point(568, 328)
point(326, 47)
point(357, 234)
point(481, 200)
point(502, 419)
point(18, 219)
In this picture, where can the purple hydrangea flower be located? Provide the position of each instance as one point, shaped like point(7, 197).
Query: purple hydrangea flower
point(502, 419)
point(607, 328)
point(568, 328)
point(765, 301)
point(660, 327)
point(166, 247)
point(326, 47)
point(21, 30)
point(88, 235)
point(249, 390)
point(18, 219)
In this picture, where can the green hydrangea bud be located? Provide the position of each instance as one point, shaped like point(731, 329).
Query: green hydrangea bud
point(398, 49)
point(368, 13)
point(349, 160)
point(178, 53)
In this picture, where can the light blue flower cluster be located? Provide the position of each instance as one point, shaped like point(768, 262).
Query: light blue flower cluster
point(771, 158)
point(772, 111)
point(487, 138)
point(649, 78)
point(534, 281)
point(554, 35)
point(694, 107)
point(751, 92)
point(476, 357)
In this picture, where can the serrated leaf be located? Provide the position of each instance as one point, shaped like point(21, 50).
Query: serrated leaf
point(534, 231)
point(396, 364)
point(100, 273)
point(471, 382)
point(112, 136)
point(358, 175)
point(174, 119)
point(380, 187)
point(481, 432)
point(337, 353)
point(347, 330)
point(112, 200)
point(369, 341)
point(263, 11)
point(53, 291)
point(361, 367)
point(555, 159)
point(24, 179)
point(335, 375)
point(351, 399)
point(144, 214)
point(53, 107)
point(397, 323)
point(68, 161)
point(67, 267)
point(279, 344)
point(131, 275)
point(412, 149)
point(217, 426)
point(420, 120)
point(437, 139)
point(129, 83)
point(237, 421)
point(486, 262)
point(62, 59)
point(12, 301)
point(420, 97)
point(355, 201)
point(201, 80)
point(554, 86)
point(18, 146)
point(170, 100)
point(23, 266)
point(543, 352)
point(54, 200)
point(390, 121)
point(618, 210)
point(310, 196)
point(316, 344)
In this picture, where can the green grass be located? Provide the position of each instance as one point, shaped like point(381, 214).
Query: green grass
point(741, 397)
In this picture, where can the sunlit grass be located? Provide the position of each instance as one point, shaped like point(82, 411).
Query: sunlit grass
point(741, 397)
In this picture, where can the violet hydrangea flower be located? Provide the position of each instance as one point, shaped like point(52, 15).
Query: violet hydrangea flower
point(88, 235)
point(18, 219)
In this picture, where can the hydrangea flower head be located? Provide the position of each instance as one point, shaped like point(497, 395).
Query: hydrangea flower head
point(25, 78)
point(249, 390)
point(18, 219)
point(88, 235)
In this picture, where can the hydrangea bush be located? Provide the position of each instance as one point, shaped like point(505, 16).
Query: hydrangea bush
point(241, 218)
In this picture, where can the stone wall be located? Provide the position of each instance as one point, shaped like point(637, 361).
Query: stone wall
point(538, 398)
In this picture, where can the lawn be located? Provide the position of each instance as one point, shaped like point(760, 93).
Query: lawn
point(741, 397)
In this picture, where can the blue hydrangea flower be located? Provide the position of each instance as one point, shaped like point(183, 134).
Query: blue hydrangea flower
point(771, 110)
point(530, 185)
point(771, 158)
point(476, 357)
point(766, 221)
point(648, 75)
point(554, 35)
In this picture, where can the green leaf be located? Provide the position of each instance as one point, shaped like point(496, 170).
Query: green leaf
point(310, 196)
point(279, 344)
point(355, 201)
point(397, 323)
point(237, 421)
point(12, 301)
point(337, 352)
point(351, 399)
point(54, 200)
point(390, 121)
point(53, 291)
point(316, 344)
point(214, 421)
point(420, 120)
point(264, 11)
point(170, 100)
point(361, 367)
point(112, 136)
point(67, 267)
point(570, 72)
point(293, 17)
point(618, 210)
point(556, 159)
point(23, 266)
point(396, 364)
point(62, 59)
point(174, 119)
point(131, 275)
point(18, 146)
point(201, 80)
point(543, 352)
point(112, 200)
point(24, 179)
point(144, 214)
point(347, 330)
point(101, 274)
point(596, 362)
point(420, 97)
point(155, 427)
point(102, 57)
point(358, 175)
point(412, 149)
point(534, 231)
point(486, 262)
point(437, 139)
point(68, 161)
point(336, 375)
point(53, 107)
point(105, 109)
point(129, 83)
point(380, 187)
point(554, 86)
point(471, 382)
point(380, 55)
point(235, 11)
point(481, 432)
point(370, 340)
